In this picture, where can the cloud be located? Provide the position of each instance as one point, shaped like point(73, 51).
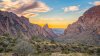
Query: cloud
point(24, 6)
point(28, 15)
point(71, 8)
point(96, 3)
point(42, 7)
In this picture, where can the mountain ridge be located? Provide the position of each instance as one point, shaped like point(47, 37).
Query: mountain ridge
point(20, 26)
point(86, 29)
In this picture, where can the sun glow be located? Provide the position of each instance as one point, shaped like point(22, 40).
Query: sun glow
point(53, 23)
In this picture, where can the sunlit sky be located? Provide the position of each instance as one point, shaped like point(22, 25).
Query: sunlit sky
point(55, 13)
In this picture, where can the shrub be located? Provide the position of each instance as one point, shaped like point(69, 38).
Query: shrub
point(24, 48)
point(7, 43)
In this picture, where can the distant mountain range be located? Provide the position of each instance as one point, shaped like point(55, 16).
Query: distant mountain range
point(58, 31)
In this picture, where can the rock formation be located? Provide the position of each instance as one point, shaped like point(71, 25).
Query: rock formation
point(11, 24)
point(86, 29)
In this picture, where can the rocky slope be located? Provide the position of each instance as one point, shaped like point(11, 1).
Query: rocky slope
point(86, 29)
point(11, 24)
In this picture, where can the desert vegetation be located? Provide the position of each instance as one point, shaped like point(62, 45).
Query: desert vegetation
point(39, 46)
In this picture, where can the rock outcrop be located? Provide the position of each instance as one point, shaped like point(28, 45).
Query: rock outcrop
point(49, 30)
point(11, 24)
point(89, 21)
point(86, 29)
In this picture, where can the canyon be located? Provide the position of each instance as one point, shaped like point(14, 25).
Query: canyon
point(86, 30)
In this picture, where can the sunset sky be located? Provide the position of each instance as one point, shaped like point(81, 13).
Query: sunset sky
point(55, 13)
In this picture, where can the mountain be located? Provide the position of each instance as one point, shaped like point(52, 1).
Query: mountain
point(11, 24)
point(86, 29)
point(49, 31)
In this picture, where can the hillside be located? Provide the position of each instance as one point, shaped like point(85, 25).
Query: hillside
point(11, 24)
point(86, 30)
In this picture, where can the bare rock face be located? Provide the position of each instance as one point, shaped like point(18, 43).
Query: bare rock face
point(11, 24)
point(89, 21)
point(48, 30)
point(87, 27)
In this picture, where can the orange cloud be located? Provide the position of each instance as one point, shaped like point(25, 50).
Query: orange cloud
point(28, 15)
point(97, 3)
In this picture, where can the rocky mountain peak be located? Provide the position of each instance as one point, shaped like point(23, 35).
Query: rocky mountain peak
point(94, 11)
point(89, 21)
point(16, 26)
point(46, 26)
point(87, 28)
point(49, 30)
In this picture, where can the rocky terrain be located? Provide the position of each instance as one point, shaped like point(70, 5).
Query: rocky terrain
point(11, 24)
point(86, 29)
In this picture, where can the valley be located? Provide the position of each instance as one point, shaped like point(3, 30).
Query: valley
point(19, 37)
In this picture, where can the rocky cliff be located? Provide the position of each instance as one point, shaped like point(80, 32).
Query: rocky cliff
point(86, 29)
point(11, 24)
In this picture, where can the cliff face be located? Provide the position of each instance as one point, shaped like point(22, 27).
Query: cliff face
point(86, 29)
point(90, 21)
point(49, 30)
point(11, 24)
